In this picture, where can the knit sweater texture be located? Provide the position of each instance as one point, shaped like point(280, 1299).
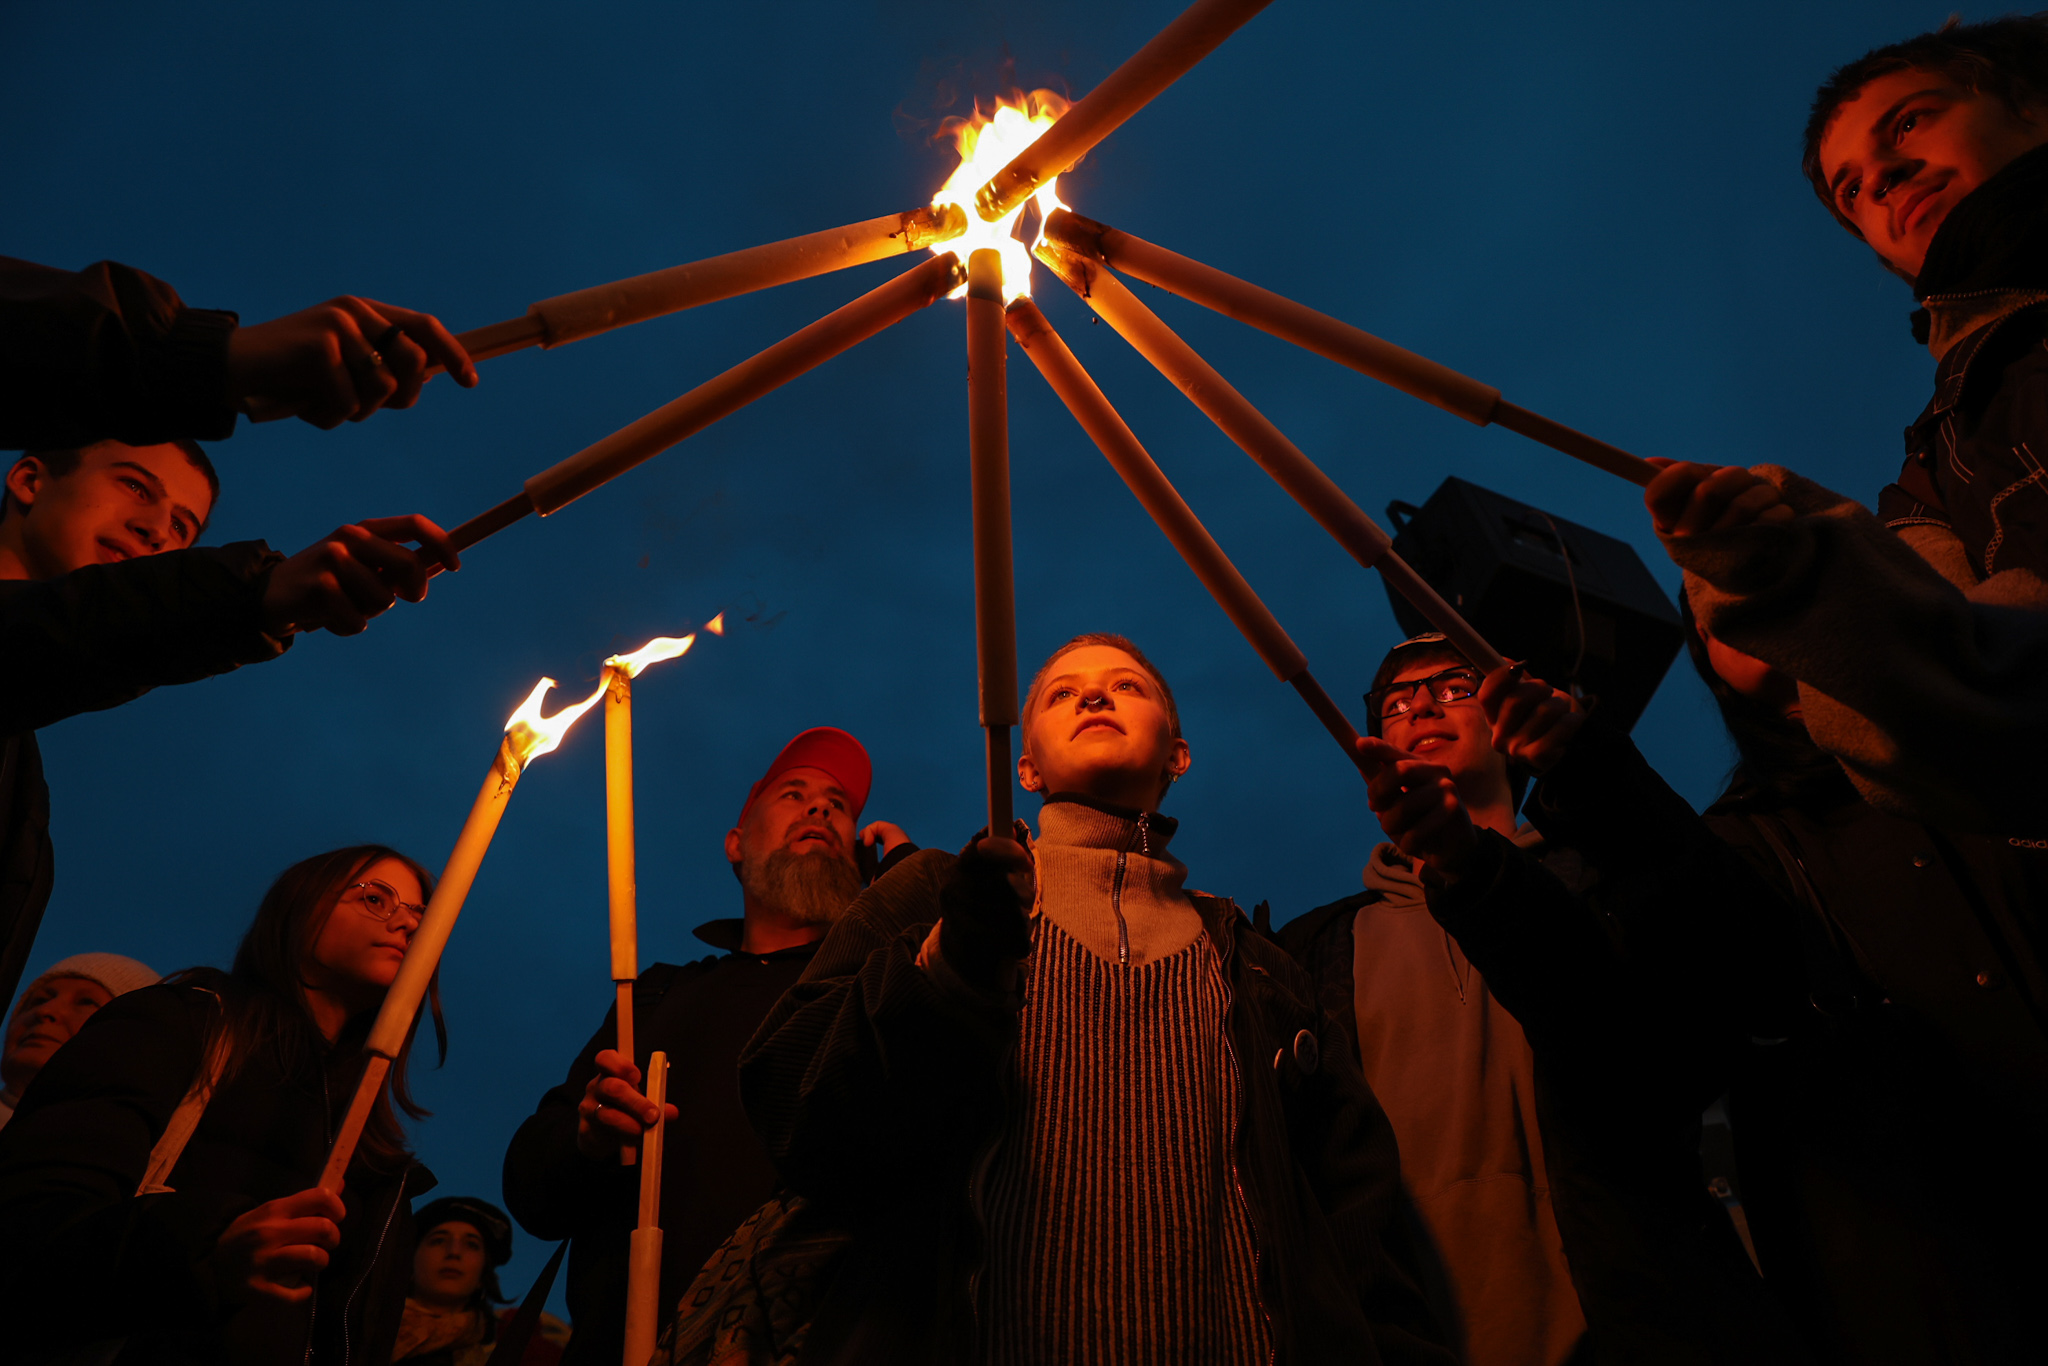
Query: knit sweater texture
point(1117, 1232)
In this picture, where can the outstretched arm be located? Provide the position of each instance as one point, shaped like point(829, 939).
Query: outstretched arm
point(1924, 691)
point(111, 353)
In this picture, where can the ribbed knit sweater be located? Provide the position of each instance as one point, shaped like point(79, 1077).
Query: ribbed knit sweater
point(1116, 1231)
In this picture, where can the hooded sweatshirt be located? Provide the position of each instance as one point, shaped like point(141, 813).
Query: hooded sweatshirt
point(1457, 1079)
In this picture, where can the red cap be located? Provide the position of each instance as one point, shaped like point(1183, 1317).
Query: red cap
point(828, 750)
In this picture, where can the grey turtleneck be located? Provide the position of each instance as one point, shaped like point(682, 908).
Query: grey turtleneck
point(1107, 880)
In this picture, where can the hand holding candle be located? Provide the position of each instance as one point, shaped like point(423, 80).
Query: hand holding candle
point(528, 735)
point(617, 685)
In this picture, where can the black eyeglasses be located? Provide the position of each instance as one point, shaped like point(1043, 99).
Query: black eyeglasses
point(380, 901)
point(1397, 699)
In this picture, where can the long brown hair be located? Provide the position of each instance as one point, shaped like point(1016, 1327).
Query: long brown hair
point(264, 994)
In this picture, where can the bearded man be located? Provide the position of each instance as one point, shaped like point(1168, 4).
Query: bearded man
point(793, 850)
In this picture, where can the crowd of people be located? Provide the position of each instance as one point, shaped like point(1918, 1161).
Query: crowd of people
point(1040, 1102)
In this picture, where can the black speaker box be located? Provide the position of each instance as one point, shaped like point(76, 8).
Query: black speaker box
point(1579, 606)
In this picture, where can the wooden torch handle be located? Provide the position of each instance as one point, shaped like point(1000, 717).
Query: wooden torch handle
point(995, 593)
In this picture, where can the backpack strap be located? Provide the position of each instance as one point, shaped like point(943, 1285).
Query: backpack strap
point(185, 1119)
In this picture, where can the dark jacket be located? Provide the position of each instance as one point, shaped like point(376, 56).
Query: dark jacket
point(1889, 1144)
point(714, 1173)
point(879, 1094)
point(107, 353)
point(93, 639)
point(1626, 1058)
point(87, 1260)
point(1975, 455)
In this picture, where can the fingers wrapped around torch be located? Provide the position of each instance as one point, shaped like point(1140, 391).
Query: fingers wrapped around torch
point(620, 303)
point(1334, 340)
point(1244, 424)
point(1170, 512)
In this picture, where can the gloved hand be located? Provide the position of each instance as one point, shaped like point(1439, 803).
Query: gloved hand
point(985, 910)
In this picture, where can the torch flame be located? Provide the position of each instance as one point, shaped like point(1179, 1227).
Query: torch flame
point(653, 652)
point(532, 734)
point(986, 144)
point(716, 626)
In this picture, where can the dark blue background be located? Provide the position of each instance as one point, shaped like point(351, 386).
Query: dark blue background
point(1596, 207)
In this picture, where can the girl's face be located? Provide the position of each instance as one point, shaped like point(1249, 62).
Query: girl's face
point(448, 1266)
point(1753, 678)
point(358, 950)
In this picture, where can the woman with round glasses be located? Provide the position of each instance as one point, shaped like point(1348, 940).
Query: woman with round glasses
point(127, 1246)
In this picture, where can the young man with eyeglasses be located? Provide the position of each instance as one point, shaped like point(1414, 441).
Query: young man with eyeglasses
point(1452, 1068)
point(104, 595)
point(1555, 1101)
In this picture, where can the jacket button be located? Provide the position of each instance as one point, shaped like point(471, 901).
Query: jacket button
point(1306, 1051)
point(1921, 860)
point(1983, 979)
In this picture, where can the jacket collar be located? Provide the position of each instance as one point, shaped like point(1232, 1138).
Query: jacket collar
point(728, 935)
point(1992, 246)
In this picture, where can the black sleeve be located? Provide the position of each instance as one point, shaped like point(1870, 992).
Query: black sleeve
point(553, 1190)
point(1354, 1166)
point(1691, 911)
point(106, 634)
point(107, 353)
point(1546, 955)
point(83, 1247)
point(868, 1076)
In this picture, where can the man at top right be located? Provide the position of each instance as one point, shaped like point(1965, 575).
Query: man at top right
point(1935, 152)
point(1924, 674)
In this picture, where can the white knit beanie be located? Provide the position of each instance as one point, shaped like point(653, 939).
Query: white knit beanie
point(116, 973)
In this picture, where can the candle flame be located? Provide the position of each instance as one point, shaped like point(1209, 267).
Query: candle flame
point(653, 652)
point(986, 144)
point(532, 734)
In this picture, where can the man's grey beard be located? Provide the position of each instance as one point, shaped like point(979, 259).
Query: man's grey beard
point(811, 889)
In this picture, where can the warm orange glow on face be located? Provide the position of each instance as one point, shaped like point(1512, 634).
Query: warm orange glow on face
point(532, 734)
point(987, 144)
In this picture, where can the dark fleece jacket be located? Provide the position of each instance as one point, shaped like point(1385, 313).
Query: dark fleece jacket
point(96, 638)
point(88, 1261)
point(107, 353)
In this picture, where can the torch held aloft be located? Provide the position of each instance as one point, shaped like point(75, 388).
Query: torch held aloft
point(423, 956)
point(1197, 32)
point(995, 592)
point(1338, 341)
point(623, 901)
point(553, 489)
point(1134, 464)
point(1263, 442)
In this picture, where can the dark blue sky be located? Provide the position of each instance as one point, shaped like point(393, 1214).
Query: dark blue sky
point(1596, 207)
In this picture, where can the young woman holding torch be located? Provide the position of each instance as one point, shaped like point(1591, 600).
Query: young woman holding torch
point(998, 1067)
point(168, 1156)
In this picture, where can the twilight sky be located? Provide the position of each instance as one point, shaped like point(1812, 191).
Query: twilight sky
point(1595, 206)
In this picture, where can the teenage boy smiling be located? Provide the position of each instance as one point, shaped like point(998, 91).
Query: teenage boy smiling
point(104, 596)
